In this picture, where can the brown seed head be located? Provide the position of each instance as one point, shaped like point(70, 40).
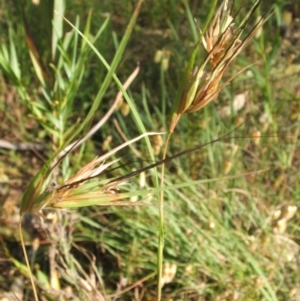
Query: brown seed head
point(222, 41)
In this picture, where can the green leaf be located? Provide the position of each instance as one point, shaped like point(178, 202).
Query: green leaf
point(57, 33)
point(13, 57)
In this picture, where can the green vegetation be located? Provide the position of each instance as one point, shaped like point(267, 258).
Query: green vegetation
point(228, 228)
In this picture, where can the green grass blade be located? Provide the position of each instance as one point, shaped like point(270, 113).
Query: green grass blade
point(57, 21)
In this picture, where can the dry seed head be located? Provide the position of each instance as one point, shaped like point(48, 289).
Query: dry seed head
point(223, 42)
point(85, 188)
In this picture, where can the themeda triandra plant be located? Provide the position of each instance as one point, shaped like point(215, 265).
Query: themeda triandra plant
point(223, 41)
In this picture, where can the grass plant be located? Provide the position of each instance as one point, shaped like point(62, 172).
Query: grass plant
point(225, 208)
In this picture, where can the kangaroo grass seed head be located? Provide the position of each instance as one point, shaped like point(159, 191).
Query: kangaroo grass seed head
point(223, 42)
point(76, 192)
point(85, 188)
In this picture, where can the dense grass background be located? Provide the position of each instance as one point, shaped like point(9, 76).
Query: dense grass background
point(223, 237)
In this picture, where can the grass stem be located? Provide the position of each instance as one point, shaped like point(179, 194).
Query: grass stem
point(160, 256)
point(27, 262)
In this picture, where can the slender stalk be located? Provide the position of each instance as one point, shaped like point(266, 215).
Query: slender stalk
point(27, 262)
point(160, 256)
